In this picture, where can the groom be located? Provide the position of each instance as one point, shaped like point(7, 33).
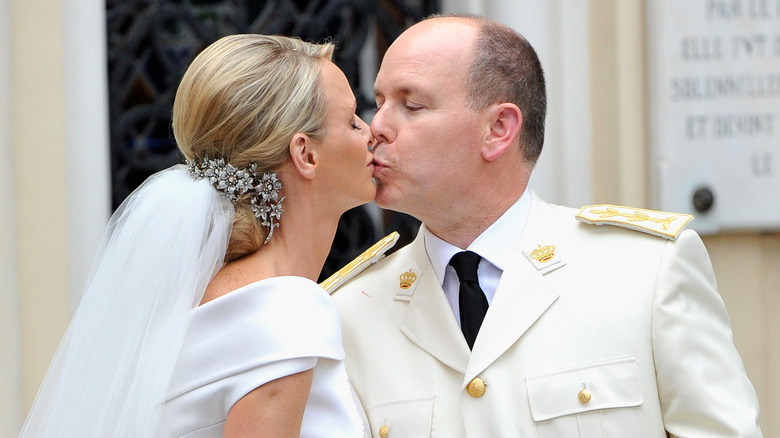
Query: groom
point(548, 325)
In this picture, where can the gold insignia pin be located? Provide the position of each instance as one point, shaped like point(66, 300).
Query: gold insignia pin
point(543, 254)
point(544, 258)
point(406, 279)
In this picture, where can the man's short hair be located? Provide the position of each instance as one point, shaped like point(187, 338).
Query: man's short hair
point(506, 68)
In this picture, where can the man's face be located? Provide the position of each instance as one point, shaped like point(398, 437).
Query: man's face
point(427, 137)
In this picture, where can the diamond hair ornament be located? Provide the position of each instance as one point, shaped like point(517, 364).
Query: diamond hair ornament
point(234, 183)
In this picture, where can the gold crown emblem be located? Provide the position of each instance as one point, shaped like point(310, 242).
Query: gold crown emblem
point(407, 278)
point(543, 253)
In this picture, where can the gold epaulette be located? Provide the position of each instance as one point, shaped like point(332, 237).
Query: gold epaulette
point(659, 223)
point(361, 262)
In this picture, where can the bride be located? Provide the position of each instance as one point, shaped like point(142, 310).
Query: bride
point(202, 317)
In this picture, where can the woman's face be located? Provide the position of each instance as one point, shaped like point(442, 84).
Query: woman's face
point(346, 160)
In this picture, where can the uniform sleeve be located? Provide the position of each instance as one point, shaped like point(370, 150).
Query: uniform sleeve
point(703, 388)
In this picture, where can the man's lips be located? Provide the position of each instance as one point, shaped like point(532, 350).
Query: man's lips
point(379, 169)
point(377, 163)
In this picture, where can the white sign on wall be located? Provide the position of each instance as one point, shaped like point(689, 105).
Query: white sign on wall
point(714, 109)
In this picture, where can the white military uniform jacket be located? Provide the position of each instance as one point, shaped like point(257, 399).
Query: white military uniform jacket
point(625, 337)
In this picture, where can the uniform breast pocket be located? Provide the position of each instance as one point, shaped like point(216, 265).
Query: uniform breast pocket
point(599, 399)
point(407, 418)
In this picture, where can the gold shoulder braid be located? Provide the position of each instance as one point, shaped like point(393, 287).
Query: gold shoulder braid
point(361, 262)
point(658, 223)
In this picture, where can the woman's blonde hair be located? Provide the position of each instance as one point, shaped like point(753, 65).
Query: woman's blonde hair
point(242, 99)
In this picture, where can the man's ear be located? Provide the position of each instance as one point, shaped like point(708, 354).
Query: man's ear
point(304, 158)
point(505, 121)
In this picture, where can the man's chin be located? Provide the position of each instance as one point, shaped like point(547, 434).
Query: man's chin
point(387, 198)
point(382, 200)
point(393, 200)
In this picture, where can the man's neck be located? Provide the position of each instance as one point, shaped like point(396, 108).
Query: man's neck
point(462, 231)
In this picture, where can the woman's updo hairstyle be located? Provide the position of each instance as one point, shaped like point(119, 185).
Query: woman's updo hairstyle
point(242, 99)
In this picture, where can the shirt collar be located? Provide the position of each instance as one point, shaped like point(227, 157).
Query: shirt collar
point(491, 244)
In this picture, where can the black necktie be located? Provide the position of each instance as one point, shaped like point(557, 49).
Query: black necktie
point(473, 304)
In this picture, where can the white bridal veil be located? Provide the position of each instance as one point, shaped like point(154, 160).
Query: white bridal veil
point(111, 371)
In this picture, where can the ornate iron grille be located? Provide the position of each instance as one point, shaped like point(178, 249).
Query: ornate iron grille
point(151, 43)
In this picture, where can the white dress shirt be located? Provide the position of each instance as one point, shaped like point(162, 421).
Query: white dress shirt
point(491, 245)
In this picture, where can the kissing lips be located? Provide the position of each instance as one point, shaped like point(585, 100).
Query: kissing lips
point(377, 164)
point(378, 167)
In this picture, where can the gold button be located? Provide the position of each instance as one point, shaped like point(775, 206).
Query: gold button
point(476, 388)
point(584, 396)
point(383, 431)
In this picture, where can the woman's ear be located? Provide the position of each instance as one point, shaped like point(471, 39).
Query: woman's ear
point(505, 121)
point(304, 158)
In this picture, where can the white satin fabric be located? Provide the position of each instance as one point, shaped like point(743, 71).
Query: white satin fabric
point(251, 336)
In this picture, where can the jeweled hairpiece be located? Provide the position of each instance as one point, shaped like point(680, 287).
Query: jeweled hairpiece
point(234, 183)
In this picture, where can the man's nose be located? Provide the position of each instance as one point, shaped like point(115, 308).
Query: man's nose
point(381, 126)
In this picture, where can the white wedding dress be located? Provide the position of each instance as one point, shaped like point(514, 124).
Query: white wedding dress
point(140, 358)
point(253, 335)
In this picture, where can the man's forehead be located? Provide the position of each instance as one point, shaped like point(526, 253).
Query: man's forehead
point(406, 77)
point(412, 63)
point(422, 61)
point(439, 35)
point(432, 47)
point(442, 27)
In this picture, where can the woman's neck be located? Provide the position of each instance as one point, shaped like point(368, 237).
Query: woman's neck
point(298, 247)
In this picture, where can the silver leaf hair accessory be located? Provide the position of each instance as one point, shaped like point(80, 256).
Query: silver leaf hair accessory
point(266, 205)
point(234, 183)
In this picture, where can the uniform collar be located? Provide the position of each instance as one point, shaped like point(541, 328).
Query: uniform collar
point(491, 245)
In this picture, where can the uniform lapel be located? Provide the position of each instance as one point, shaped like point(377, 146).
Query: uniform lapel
point(429, 321)
point(522, 297)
